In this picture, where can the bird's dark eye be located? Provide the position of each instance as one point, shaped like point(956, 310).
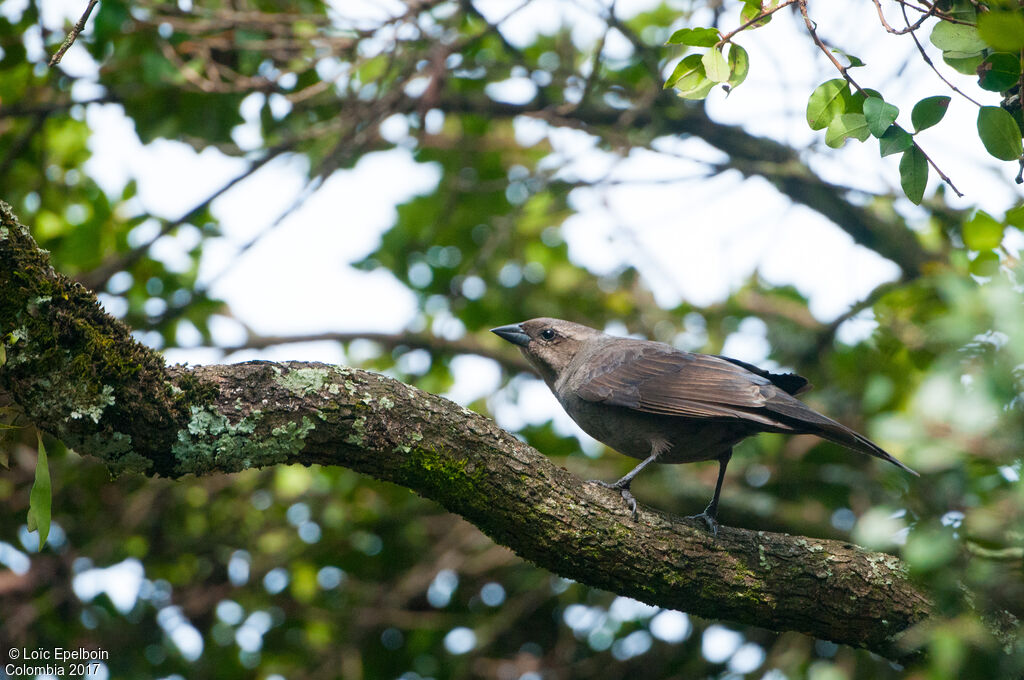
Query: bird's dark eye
point(547, 334)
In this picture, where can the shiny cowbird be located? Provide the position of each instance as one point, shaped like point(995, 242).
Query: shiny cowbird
point(660, 404)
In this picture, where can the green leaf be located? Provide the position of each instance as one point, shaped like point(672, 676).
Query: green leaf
point(3, 354)
point(895, 140)
point(857, 99)
point(715, 65)
point(39, 498)
point(846, 125)
point(950, 37)
point(131, 189)
point(1015, 216)
point(739, 65)
point(682, 69)
point(965, 65)
point(690, 79)
point(1002, 30)
point(928, 112)
point(1000, 71)
point(982, 232)
point(695, 37)
point(914, 174)
point(999, 133)
point(880, 115)
point(985, 263)
point(828, 100)
point(854, 62)
point(751, 8)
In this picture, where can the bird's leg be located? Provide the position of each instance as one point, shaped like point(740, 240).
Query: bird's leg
point(710, 514)
point(622, 486)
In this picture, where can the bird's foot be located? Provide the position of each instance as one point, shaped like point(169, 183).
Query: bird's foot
point(709, 518)
point(622, 489)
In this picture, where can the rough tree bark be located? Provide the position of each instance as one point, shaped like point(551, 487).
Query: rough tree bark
point(77, 374)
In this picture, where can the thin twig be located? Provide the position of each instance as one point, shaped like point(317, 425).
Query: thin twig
point(928, 60)
point(909, 29)
point(307, 191)
point(934, 10)
point(595, 68)
point(843, 71)
point(73, 34)
point(97, 278)
point(941, 174)
point(812, 30)
point(826, 337)
point(764, 13)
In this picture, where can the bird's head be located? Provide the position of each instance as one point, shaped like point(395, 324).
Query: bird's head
point(548, 344)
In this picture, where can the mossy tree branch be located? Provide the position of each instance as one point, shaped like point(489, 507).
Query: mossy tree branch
point(77, 374)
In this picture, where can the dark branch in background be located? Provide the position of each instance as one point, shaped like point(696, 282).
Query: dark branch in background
point(308, 190)
point(73, 34)
point(108, 396)
point(751, 155)
point(58, 104)
point(98, 278)
point(829, 333)
point(511, 361)
point(22, 143)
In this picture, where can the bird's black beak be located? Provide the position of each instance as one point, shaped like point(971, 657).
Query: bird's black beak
point(514, 333)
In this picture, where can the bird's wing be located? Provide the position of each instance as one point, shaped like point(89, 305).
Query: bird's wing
point(790, 382)
point(662, 380)
point(665, 381)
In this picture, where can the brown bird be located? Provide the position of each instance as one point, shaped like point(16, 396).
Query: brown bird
point(660, 404)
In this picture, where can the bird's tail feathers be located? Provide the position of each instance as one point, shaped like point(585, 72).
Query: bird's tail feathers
point(815, 423)
point(859, 442)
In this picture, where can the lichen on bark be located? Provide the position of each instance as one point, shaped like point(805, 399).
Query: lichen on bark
point(77, 371)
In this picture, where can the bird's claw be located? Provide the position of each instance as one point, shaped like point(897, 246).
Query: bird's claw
point(607, 485)
point(630, 501)
point(622, 489)
point(709, 519)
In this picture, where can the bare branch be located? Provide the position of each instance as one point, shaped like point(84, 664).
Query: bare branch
point(939, 171)
point(812, 30)
point(764, 13)
point(910, 28)
point(73, 34)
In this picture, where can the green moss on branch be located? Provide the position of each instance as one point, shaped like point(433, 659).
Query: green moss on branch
point(77, 372)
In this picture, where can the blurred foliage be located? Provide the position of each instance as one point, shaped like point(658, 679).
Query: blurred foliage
point(296, 572)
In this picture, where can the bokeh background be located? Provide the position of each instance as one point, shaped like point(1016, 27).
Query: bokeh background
point(377, 184)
